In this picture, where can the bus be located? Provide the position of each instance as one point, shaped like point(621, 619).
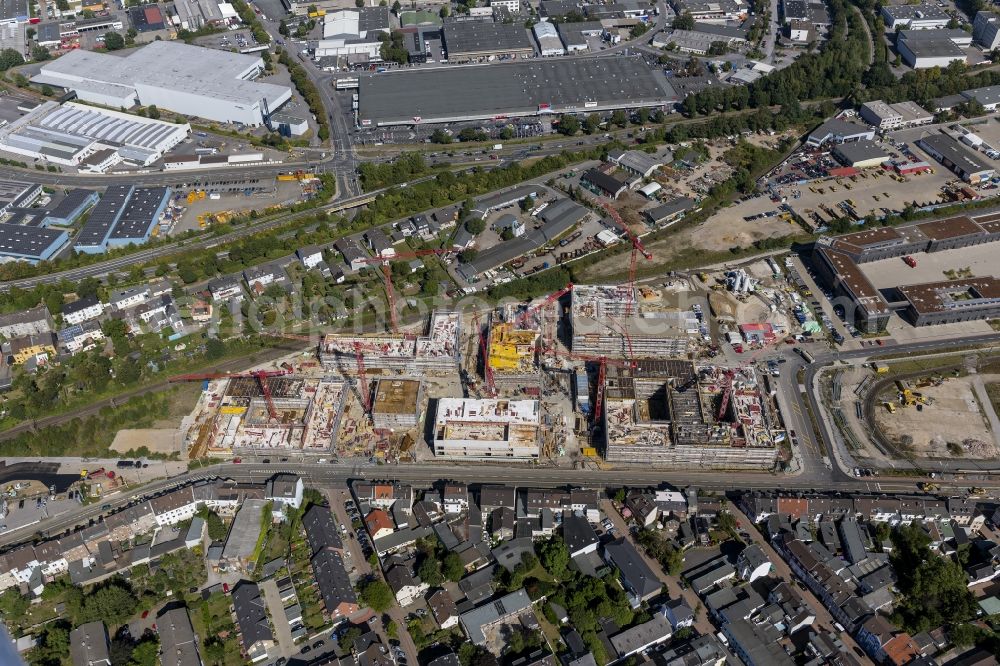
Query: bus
point(347, 84)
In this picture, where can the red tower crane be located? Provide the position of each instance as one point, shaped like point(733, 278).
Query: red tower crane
point(260, 375)
point(637, 247)
point(551, 298)
point(602, 369)
point(491, 387)
point(390, 294)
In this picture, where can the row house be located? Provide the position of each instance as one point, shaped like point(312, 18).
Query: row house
point(455, 498)
point(878, 508)
point(383, 494)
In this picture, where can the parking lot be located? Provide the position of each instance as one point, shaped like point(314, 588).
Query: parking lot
point(8, 106)
point(980, 260)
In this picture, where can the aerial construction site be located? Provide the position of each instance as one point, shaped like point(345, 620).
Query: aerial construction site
point(236, 414)
point(665, 412)
point(499, 385)
point(621, 320)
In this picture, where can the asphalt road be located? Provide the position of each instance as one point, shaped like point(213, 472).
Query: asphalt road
point(337, 475)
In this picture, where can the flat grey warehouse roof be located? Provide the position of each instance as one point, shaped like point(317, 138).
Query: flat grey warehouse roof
point(449, 94)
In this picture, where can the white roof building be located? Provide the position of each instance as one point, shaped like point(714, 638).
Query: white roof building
point(487, 429)
point(191, 80)
point(548, 40)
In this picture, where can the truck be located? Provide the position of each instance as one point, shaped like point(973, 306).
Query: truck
point(806, 356)
point(497, 146)
point(910, 261)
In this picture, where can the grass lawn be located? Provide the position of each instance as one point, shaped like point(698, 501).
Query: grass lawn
point(214, 625)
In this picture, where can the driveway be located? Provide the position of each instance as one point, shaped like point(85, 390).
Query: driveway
point(356, 561)
point(282, 631)
point(702, 624)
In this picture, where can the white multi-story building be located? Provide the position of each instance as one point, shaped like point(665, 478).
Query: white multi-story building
point(84, 309)
point(513, 6)
point(487, 429)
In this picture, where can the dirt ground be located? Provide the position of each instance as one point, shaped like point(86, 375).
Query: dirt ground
point(715, 235)
point(157, 440)
point(953, 426)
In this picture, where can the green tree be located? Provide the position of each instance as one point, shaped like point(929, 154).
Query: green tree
point(452, 568)
point(375, 594)
point(526, 204)
point(441, 136)
point(554, 556)
point(39, 53)
point(569, 124)
point(347, 638)
point(429, 571)
point(683, 22)
point(146, 653)
point(283, 28)
point(934, 588)
point(10, 58)
point(620, 118)
point(475, 225)
point(13, 605)
point(396, 7)
point(113, 41)
point(152, 112)
point(112, 602)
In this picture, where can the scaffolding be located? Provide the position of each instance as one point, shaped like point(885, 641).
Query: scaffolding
point(438, 351)
point(666, 412)
point(606, 319)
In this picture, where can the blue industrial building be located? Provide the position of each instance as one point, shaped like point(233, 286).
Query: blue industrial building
point(31, 244)
point(124, 215)
point(69, 210)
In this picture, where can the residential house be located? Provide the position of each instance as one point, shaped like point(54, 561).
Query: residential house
point(251, 620)
point(35, 321)
point(352, 253)
point(178, 643)
point(123, 299)
point(406, 585)
point(579, 535)
point(225, 288)
point(310, 256)
point(339, 598)
point(82, 309)
point(455, 498)
point(379, 243)
point(284, 490)
point(752, 563)
point(89, 646)
point(379, 524)
point(637, 578)
point(443, 609)
point(642, 507)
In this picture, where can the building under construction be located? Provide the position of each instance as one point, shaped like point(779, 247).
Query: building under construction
point(513, 349)
point(618, 320)
point(666, 412)
point(488, 429)
point(295, 413)
point(438, 351)
point(397, 404)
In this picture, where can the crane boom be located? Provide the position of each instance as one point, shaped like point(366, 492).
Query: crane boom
point(390, 292)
